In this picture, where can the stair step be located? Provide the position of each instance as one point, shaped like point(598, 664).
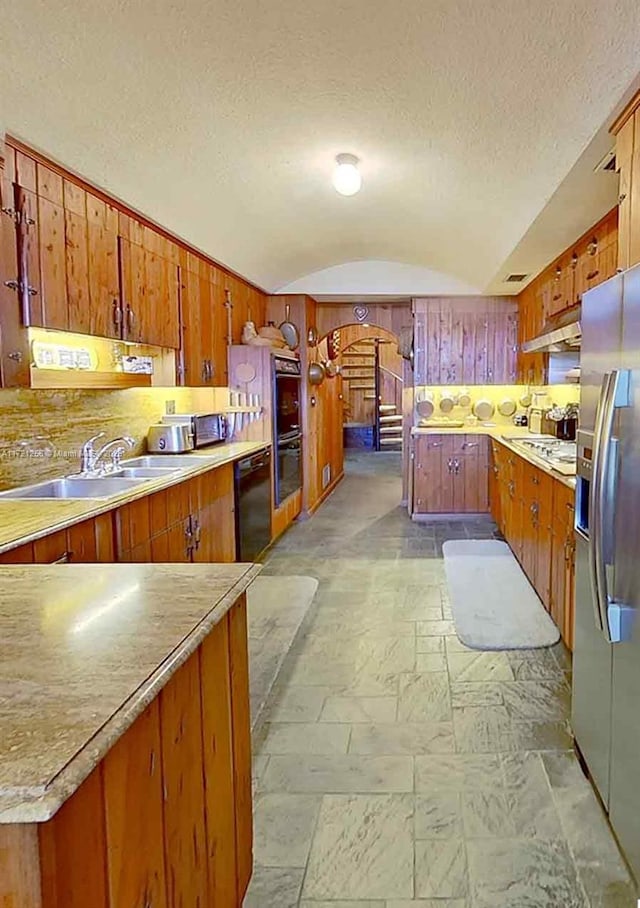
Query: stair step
point(388, 420)
point(387, 408)
point(390, 430)
point(359, 353)
point(390, 441)
point(370, 396)
point(362, 388)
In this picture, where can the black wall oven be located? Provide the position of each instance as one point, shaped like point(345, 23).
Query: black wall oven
point(287, 427)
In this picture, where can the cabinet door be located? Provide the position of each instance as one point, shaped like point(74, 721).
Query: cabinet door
point(51, 221)
point(217, 736)
point(183, 776)
point(77, 258)
point(433, 483)
point(159, 313)
point(624, 163)
point(14, 347)
point(542, 579)
point(135, 842)
point(634, 214)
point(73, 848)
point(92, 541)
point(195, 373)
point(104, 280)
point(241, 744)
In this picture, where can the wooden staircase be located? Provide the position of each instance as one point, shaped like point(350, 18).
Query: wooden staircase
point(390, 427)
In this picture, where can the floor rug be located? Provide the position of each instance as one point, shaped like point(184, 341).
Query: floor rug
point(276, 607)
point(493, 604)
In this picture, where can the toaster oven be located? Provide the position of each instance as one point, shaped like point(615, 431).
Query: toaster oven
point(206, 428)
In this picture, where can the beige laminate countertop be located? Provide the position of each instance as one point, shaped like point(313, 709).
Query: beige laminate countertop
point(84, 649)
point(501, 434)
point(24, 520)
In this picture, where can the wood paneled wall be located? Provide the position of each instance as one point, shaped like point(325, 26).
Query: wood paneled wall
point(465, 340)
point(391, 316)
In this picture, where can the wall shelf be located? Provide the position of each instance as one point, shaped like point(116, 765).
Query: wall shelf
point(58, 378)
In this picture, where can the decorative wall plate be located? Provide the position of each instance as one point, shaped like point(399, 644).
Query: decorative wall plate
point(360, 312)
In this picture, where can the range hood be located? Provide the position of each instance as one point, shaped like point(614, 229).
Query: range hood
point(562, 334)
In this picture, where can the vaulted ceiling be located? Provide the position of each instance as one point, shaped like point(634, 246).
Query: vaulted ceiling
point(221, 121)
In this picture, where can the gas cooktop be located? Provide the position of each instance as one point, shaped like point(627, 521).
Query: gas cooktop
point(561, 455)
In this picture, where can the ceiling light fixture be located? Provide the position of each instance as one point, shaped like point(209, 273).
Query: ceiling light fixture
point(346, 177)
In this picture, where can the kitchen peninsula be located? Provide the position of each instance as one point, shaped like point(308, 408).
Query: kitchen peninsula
point(125, 759)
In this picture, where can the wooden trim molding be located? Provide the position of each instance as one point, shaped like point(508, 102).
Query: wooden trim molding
point(625, 113)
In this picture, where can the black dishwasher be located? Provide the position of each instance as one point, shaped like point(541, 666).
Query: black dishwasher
point(253, 505)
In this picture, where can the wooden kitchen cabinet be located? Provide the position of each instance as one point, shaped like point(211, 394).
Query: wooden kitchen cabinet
point(52, 247)
point(14, 347)
point(150, 291)
point(204, 347)
point(185, 841)
point(217, 737)
point(132, 774)
point(534, 512)
point(241, 725)
point(451, 474)
point(562, 582)
point(87, 542)
point(165, 818)
point(191, 521)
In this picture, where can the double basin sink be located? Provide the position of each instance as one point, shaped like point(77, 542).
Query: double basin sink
point(132, 473)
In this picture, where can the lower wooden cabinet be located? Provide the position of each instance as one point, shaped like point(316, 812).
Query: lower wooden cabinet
point(450, 474)
point(87, 542)
point(191, 521)
point(534, 512)
point(164, 820)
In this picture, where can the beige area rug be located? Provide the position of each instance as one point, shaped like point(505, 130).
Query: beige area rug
point(276, 608)
point(493, 604)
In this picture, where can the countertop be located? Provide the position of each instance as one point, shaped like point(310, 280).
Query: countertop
point(501, 434)
point(24, 520)
point(83, 650)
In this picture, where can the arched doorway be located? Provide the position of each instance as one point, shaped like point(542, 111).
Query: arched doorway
point(373, 382)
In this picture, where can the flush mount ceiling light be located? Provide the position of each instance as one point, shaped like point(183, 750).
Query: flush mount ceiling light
point(346, 177)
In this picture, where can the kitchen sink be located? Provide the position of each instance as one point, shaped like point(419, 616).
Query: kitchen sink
point(147, 472)
point(100, 487)
point(168, 461)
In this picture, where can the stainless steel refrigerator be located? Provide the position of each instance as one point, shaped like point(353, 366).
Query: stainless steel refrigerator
point(606, 663)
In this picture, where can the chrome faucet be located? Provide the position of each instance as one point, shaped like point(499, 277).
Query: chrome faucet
point(90, 457)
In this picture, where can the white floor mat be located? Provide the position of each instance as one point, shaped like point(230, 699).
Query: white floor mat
point(494, 606)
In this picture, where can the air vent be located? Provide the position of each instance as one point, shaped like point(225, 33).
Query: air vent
point(608, 163)
point(515, 278)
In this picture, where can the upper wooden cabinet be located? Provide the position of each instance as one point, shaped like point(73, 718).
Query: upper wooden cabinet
point(465, 341)
point(204, 321)
point(627, 132)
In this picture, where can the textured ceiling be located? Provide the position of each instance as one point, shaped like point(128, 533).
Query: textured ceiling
point(221, 119)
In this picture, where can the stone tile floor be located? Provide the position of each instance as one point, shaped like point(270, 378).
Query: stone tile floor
point(396, 767)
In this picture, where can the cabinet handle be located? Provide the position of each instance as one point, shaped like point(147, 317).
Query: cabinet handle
point(204, 370)
point(536, 481)
point(197, 532)
point(469, 444)
point(65, 558)
point(450, 465)
point(622, 197)
point(12, 285)
point(456, 466)
point(570, 507)
point(117, 314)
point(131, 318)
point(434, 444)
point(593, 274)
point(152, 763)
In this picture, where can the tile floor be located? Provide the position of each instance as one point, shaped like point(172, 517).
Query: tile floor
point(397, 768)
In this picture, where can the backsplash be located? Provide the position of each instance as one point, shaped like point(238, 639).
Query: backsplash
point(557, 394)
point(41, 432)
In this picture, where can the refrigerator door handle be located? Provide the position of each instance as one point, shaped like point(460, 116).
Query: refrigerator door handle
point(615, 394)
point(594, 498)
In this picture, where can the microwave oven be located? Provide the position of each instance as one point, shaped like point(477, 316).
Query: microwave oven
point(206, 428)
